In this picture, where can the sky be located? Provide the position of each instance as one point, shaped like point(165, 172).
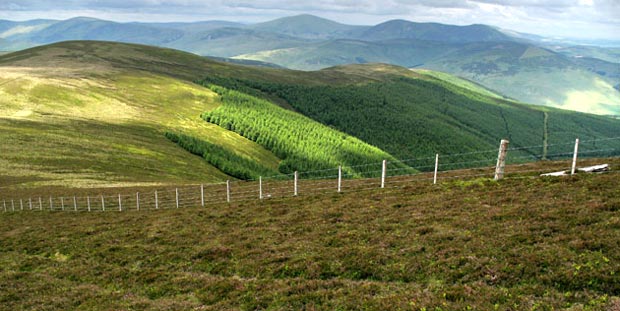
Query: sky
point(584, 19)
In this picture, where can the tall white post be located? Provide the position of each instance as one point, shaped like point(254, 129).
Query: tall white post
point(30, 203)
point(102, 203)
point(177, 196)
point(339, 178)
point(296, 177)
point(260, 187)
point(74, 204)
point(120, 204)
point(138, 201)
point(62, 203)
point(40, 204)
point(228, 191)
point(436, 166)
point(202, 195)
point(501, 159)
point(572, 170)
point(156, 201)
point(21, 204)
point(88, 202)
point(383, 169)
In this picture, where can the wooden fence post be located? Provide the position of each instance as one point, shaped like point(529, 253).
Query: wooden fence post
point(296, 176)
point(21, 204)
point(436, 167)
point(138, 201)
point(102, 203)
point(88, 202)
point(120, 204)
point(501, 159)
point(383, 171)
point(62, 203)
point(4, 204)
point(572, 170)
point(30, 203)
point(74, 204)
point(260, 187)
point(339, 178)
point(40, 204)
point(228, 191)
point(156, 201)
point(202, 195)
point(177, 196)
point(51, 205)
point(12, 205)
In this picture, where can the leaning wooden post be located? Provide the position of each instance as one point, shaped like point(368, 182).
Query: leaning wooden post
point(88, 202)
point(296, 177)
point(572, 170)
point(260, 187)
point(40, 204)
point(339, 178)
point(102, 203)
point(177, 196)
point(228, 191)
point(12, 205)
point(383, 171)
point(120, 204)
point(138, 201)
point(202, 195)
point(436, 167)
point(156, 201)
point(74, 204)
point(30, 203)
point(501, 159)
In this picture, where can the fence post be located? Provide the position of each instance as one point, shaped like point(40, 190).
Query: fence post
point(501, 159)
point(383, 169)
point(30, 203)
point(228, 191)
point(88, 201)
point(202, 195)
point(51, 205)
point(21, 204)
point(260, 187)
point(12, 205)
point(436, 167)
point(572, 170)
point(62, 203)
point(40, 204)
point(296, 176)
point(74, 204)
point(102, 203)
point(120, 204)
point(339, 178)
point(4, 204)
point(138, 201)
point(156, 201)
point(177, 196)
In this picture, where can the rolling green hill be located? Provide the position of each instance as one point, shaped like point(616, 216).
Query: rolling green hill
point(309, 27)
point(96, 113)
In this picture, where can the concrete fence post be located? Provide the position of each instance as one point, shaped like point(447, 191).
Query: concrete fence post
point(501, 159)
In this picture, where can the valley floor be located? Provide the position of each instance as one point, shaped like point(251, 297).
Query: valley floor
point(523, 243)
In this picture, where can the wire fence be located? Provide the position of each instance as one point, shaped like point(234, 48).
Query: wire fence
point(523, 162)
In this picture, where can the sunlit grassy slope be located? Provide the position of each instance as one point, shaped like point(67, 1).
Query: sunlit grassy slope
point(72, 118)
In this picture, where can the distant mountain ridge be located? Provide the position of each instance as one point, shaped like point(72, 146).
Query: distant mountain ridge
point(526, 67)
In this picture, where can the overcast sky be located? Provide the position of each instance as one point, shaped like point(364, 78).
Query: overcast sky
point(563, 18)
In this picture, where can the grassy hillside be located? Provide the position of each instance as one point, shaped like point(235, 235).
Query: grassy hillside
point(309, 27)
point(518, 244)
point(71, 117)
point(413, 115)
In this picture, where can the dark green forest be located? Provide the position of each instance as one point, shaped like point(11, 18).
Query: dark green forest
point(302, 144)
